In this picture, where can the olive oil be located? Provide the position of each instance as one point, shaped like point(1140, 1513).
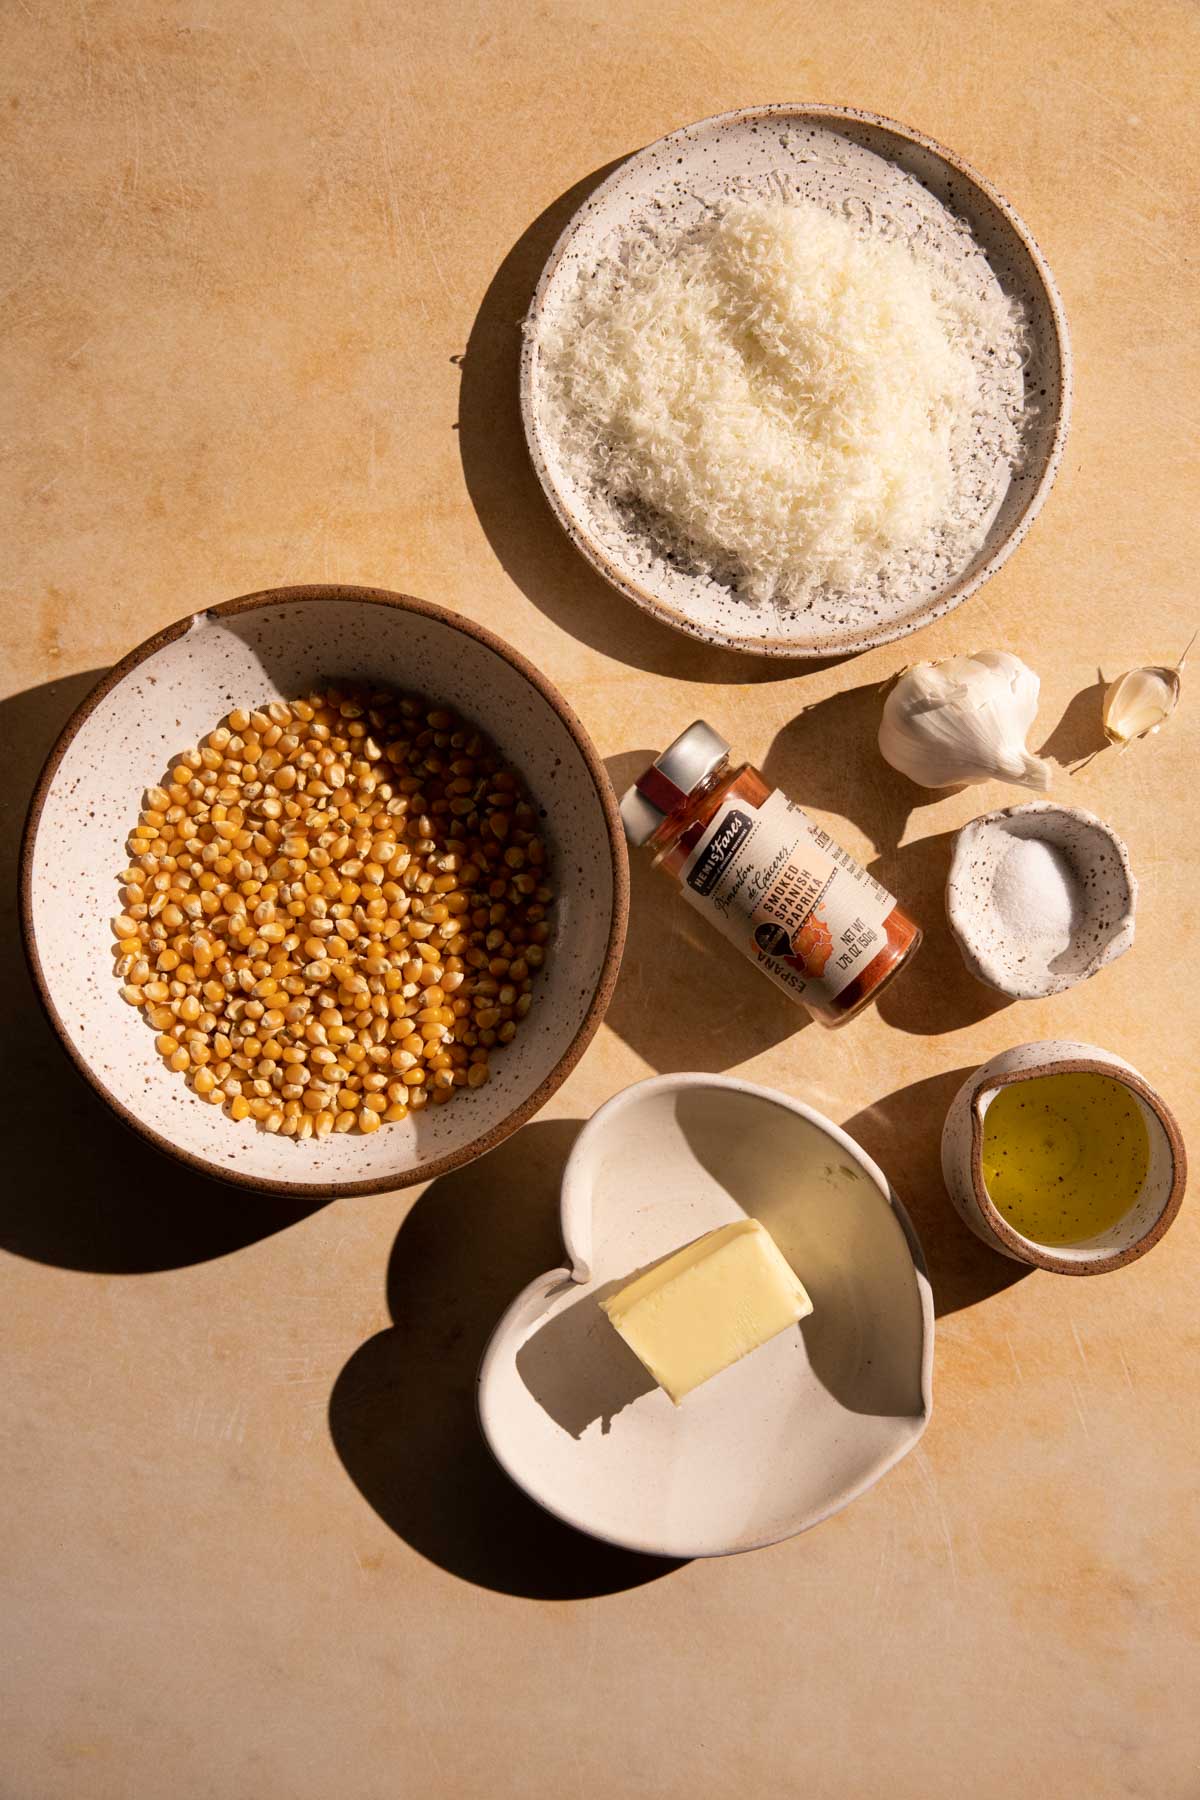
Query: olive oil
point(1064, 1156)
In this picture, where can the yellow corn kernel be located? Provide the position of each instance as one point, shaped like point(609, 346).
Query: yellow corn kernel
point(329, 917)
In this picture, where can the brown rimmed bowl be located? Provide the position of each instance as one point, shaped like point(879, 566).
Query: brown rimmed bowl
point(162, 698)
point(1150, 1211)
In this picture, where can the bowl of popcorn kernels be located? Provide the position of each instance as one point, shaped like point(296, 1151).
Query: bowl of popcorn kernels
point(324, 890)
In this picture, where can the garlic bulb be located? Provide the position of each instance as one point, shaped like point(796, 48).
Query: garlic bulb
point(1137, 703)
point(963, 720)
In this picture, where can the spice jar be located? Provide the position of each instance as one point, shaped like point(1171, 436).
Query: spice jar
point(768, 877)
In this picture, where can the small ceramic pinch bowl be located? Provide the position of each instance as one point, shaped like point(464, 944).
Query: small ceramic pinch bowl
point(786, 1436)
point(1151, 1210)
point(161, 699)
point(1010, 949)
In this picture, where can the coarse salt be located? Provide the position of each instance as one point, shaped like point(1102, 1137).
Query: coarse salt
point(1036, 895)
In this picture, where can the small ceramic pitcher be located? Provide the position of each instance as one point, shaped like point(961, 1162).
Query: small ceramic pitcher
point(962, 1160)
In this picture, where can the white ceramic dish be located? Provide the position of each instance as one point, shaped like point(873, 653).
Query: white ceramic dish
point(782, 1439)
point(161, 699)
point(832, 154)
point(1101, 879)
point(1151, 1211)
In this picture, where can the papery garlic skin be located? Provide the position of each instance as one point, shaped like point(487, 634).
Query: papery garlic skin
point(964, 719)
point(1137, 703)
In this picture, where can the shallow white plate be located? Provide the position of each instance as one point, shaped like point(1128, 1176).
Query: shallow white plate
point(785, 1437)
point(842, 157)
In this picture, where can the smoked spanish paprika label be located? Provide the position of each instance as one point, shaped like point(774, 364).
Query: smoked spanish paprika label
point(787, 895)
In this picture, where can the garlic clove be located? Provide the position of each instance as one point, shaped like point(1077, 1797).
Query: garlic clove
point(1139, 703)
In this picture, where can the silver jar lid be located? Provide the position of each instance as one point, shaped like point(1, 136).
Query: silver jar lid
point(667, 783)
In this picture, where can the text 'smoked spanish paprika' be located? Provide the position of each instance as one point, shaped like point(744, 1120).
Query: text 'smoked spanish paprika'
point(768, 877)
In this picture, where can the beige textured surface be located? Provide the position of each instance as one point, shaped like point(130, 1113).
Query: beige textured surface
point(251, 1545)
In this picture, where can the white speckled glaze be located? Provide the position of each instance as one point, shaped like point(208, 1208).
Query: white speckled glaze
point(780, 1440)
point(1151, 1212)
point(1105, 893)
point(829, 153)
point(161, 700)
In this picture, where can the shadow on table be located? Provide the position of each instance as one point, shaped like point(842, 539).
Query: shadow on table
point(903, 1133)
point(936, 992)
point(402, 1413)
point(510, 504)
point(827, 758)
point(1079, 734)
point(80, 1189)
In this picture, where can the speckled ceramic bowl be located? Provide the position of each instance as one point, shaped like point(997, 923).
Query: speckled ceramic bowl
point(1096, 865)
point(161, 699)
point(841, 157)
point(1150, 1211)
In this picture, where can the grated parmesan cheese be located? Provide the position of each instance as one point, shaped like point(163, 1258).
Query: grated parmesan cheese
point(785, 398)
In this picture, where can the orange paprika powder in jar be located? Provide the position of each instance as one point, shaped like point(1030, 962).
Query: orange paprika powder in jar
point(768, 877)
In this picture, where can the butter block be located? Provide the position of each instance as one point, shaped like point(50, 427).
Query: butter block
point(708, 1305)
